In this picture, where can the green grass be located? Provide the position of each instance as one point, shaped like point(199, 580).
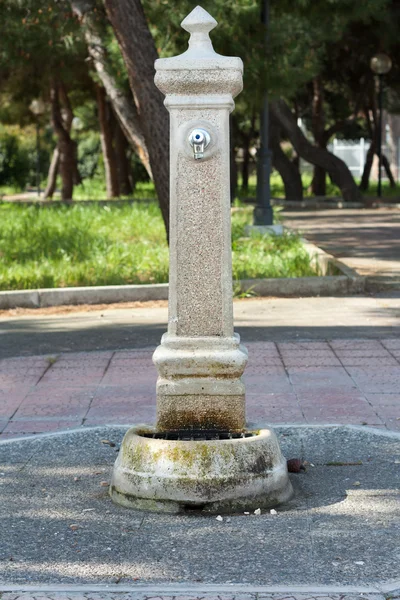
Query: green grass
point(82, 245)
point(278, 190)
point(93, 189)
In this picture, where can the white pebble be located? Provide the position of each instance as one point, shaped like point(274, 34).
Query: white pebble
point(219, 518)
point(273, 511)
point(257, 511)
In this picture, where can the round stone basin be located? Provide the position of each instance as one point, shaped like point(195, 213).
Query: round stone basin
point(217, 472)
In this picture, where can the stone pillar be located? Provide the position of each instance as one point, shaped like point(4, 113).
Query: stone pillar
point(200, 360)
point(199, 456)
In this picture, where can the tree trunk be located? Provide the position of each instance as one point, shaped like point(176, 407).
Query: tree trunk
point(318, 184)
point(290, 174)
point(139, 52)
point(364, 184)
point(386, 166)
point(106, 136)
point(124, 169)
point(123, 104)
point(68, 117)
point(52, 175)
point(66, 146)
point(245, 163)
point(337, 169)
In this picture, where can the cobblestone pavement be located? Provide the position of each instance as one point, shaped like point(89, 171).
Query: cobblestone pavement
point(224, 596)
point(337, 382)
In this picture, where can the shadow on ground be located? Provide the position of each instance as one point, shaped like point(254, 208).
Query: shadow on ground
point(59, 526)
point(22, 339)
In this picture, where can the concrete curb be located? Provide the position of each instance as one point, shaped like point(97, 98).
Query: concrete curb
point(328, 284)
point(301, 286)
point(43, 298)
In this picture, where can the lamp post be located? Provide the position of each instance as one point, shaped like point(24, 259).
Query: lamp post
point(263, 214)
point(380, 64)
point(37, 108)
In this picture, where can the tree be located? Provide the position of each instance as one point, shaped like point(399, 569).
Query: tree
point(336, 168)
point(106, 128)
point(129, 23)
point(93, 21)
point(42, 53)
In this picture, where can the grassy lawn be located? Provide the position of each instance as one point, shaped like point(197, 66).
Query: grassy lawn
point(84, 245)
point(332, 191)
point(93, 189)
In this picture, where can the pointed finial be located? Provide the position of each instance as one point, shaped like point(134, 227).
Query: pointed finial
point(199, 21)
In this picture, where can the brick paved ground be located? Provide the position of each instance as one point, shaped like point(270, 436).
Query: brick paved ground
point(341, 381)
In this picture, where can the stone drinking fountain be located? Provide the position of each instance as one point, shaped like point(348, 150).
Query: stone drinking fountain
point(200, 455)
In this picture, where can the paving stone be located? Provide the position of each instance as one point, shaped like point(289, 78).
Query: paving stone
point(274, 380)
point(355, 344)
point(391, 343)
point(366, 351)
point(139, 392)
point(303, 346)
point(376, 380)
point(41, 425)
point(274, 414)
point(310, 359)
point(342, 397)
point(320, 377)
point(383, 399)
point(276, 399)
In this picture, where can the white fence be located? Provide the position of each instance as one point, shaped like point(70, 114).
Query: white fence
point(354, 152)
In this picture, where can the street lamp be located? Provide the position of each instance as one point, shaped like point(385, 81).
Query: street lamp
point(263, 214)
point(37, 108)
point(380, 64)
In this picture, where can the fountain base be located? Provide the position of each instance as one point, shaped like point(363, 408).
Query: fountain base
point(215, 472)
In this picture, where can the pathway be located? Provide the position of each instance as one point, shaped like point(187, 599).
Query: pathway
point(339, 381)
point(367, 240)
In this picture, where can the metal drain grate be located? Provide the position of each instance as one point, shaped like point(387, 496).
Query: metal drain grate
point(197, 436)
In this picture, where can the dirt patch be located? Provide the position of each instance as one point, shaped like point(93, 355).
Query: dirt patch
point(66, 309)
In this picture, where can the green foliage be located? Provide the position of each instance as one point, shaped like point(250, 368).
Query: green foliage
point(110, 245)
point(14, 161)
point(18, 157)
point(88, 154)
point(265, 256)
point(81, 245)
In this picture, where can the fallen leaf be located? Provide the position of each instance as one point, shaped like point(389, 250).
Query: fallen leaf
point(108, 443)
point(295, 465)
point(356, 483)
point(74, 526)
point(104, 483)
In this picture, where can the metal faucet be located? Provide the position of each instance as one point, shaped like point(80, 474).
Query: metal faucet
point(199, 140)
